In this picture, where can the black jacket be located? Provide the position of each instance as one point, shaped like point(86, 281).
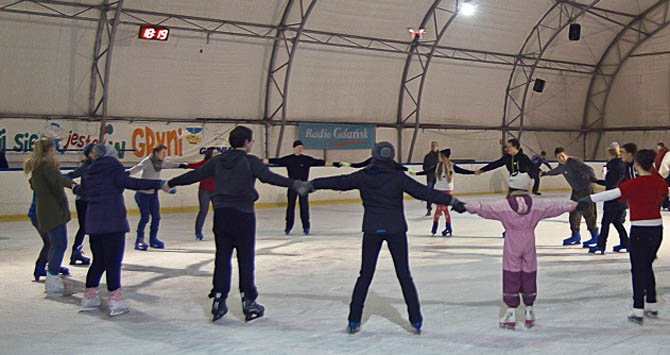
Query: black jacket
point(298, 165)
point(430, 164)
point(616, 174)
point(381, 186)
point(514, 164)
point(235, 174)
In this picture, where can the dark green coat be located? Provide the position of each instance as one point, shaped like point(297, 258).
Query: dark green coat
point(50, 200)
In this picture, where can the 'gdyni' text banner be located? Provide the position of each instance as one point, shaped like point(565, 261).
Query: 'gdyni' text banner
point(336, 136)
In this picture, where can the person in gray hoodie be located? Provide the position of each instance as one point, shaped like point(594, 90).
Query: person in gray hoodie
point(581, 178)
point(235, 173)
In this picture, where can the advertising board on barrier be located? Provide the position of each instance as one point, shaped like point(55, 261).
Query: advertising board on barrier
point(336, 136)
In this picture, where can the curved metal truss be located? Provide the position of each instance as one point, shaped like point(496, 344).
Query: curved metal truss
point(283, 52)
point(439, 18)
point(104, 46)
point(555, 20)
point(634, 34)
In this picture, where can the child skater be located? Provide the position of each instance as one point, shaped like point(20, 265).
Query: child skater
point(444, 174)
point(382, 185)
point(644, 195)
point(519, 214)
point(102, 187)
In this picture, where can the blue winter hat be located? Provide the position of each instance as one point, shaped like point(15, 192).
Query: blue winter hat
point(103, 150)
point(383, 151)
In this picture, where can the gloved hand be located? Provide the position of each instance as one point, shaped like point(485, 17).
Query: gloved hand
point(343, 164)
point(411, 172)
point(459, 207)
point(183, 166)
point(172, 190)
point(302, 187)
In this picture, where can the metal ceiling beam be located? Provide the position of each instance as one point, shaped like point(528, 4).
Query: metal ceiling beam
point(634, 34)
point(281, 62)
point(560, 15)
point(436, 22)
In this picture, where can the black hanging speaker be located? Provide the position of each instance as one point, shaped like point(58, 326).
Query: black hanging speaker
point(575, 31)
point(539, 85)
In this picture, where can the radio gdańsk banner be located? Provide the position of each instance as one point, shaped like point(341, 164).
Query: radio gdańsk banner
point(336, 136)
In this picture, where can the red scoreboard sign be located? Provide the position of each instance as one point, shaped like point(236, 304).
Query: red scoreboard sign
point(154, 33)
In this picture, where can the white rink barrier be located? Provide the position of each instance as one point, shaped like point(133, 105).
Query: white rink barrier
point(16, 194)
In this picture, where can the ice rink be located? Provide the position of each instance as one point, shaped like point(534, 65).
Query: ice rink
point(305, 284)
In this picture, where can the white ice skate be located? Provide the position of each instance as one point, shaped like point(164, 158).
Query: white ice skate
point(508, 321)
point(54, 285)
point(530, 317)
point(88, 304)
point(118, 307)
point(651, 310)
point(636, 316)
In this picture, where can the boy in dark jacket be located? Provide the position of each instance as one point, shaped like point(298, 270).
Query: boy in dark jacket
point(106, 224)
point(614, 212)
point(515, 160)
point(235, 173)
point(381, 186)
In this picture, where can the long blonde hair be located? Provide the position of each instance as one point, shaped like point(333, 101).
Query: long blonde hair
point(442, 166)
point(40, 154)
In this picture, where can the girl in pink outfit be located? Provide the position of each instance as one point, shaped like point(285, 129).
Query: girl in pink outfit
point(519, 214)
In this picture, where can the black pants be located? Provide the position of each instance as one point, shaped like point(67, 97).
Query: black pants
point(430, 184)
point(666, 202)
point(290, 210)
point(234, 229)
point(536, 185)
point(81, 217)
point(107, 252)
point(644, 244)
point(397, 244)
point(616, 217)
point(46, 244)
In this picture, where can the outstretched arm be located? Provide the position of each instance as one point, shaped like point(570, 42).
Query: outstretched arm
point(123, 180)
point(460, 170)
point(264, 174)
point(488, 210)
point(193, 176)
point(556, 208)
point(494, 165)
point(422, 192)
point(338, 183)
point(140, 166)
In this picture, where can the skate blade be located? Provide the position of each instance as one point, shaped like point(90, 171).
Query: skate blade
point(118, 312)
point(653, 315)
point(510, 326)
point(252, 316)
point(530, 324)
point(353, 330)
point(636, 320)
point(216, 317)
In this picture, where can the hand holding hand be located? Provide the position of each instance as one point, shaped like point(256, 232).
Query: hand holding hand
point(183, 166)
point(583, 203)
point(266, 161)
point(478, 172)
point(302, 187)
point(459, 207)
point(345, 164)
point(411, 172)
point(164, 186)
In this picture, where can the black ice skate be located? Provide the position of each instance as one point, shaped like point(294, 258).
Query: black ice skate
point(219, 308)
point(251, 309)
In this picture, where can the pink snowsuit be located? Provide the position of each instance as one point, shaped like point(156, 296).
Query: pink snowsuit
point(520, 215)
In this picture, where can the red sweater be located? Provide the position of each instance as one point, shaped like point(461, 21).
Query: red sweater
point(644, 195)
point(207, 184)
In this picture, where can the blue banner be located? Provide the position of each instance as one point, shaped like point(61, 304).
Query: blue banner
point(336, 136)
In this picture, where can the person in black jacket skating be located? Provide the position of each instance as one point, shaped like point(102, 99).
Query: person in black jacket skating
point(382, 185)
point(235, 173)
point(515, 160)
point(298, 166)
point(614, 211)
point(430, 162)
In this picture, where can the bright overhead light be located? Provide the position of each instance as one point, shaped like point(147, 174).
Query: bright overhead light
point(468, 9)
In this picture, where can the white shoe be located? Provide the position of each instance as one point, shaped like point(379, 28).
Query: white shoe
point(530, 317)
point(54, 285)
point(118, 307)
point(88, 304)
point(508, 321)
point(651, 310)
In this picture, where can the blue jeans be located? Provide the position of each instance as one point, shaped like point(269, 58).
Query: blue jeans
point(149, 207)
point(58, 239)
point(46, 244)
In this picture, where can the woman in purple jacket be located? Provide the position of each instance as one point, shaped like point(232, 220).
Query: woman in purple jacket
point(106, 224)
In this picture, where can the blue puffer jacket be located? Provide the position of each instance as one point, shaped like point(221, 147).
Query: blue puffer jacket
point(102, 186)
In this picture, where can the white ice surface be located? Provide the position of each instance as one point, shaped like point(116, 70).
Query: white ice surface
point(306, 282)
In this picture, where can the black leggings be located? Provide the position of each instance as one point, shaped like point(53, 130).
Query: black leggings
point(615, 217)
point(234, 229)
point(81, 218)
point(290, 210)
point(644, 244)
point(397, 244)
point(107, 252)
